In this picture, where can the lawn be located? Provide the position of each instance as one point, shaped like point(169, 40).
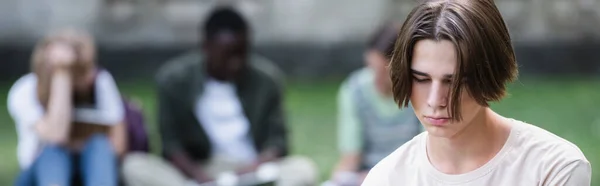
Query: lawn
point(567, 107)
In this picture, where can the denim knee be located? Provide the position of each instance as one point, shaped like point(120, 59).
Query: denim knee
point(98, 139)
point(98, 142)
point(53, 166)
point(99, 163)
point(53, 151)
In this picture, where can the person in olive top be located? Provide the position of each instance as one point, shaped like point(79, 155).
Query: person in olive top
point(220, 111)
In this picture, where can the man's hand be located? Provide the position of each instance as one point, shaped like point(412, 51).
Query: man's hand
point(267, 155)
point(200, 177)
point(188, 167)
point(248, 169)
point(60, 55)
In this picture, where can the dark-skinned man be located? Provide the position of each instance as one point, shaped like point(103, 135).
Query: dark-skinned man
point(221, 113)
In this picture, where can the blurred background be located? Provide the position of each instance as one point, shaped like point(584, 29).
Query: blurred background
point(317, 43)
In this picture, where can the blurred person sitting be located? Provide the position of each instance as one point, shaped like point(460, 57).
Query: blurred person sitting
point(220, 113)
point(69, 115)
point(370, 125)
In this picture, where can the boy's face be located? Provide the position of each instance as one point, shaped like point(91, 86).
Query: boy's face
point(432, 66)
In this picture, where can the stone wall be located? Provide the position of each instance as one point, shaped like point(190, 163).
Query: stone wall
point(131, 22)
point(544, 21)
point(307, 38)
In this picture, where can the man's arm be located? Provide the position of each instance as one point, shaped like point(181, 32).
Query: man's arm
point(173, 150)
point(577, 173)
point(276, 143)
point(185, 164)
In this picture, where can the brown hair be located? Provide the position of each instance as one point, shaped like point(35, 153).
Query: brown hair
point(85, 52)
point(485, 56)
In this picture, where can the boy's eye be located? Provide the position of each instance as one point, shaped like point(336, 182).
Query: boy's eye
point(420, 80)
point(447, 81)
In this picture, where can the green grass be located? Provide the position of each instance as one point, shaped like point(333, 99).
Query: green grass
point(567, 108)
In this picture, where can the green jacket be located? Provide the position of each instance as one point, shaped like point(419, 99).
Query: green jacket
point(180, 83)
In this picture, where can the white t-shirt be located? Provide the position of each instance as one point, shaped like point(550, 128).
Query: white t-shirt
point(25, 109)
point(220, 113)
point(530, 156)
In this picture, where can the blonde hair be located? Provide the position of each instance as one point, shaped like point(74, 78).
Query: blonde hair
point(85, 52)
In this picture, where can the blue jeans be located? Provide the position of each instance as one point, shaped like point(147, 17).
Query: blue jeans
point(95, 165)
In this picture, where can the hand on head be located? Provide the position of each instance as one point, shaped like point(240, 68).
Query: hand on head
point(60, 55)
